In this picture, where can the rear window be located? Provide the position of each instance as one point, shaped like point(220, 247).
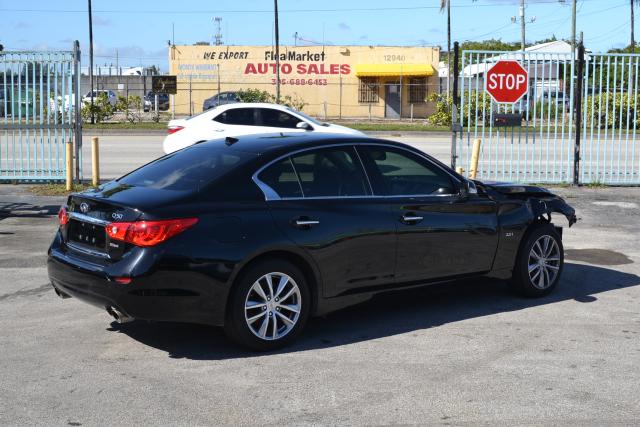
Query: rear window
point(186, 170)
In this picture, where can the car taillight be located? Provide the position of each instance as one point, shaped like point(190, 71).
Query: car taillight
point(148, 233)
point(174, 129)
point(63, 216)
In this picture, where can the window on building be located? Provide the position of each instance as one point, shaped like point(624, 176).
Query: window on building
point(417, 89)
point(368, 89)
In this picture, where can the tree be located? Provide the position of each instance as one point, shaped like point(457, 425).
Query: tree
point(202, 44)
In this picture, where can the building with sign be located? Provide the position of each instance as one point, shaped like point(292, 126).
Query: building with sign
point(331, 81)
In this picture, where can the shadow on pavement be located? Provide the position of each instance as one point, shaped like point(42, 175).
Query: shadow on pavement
point(26, 210)
point(386, 314)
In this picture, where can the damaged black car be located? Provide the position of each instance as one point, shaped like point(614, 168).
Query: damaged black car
point(256, 234)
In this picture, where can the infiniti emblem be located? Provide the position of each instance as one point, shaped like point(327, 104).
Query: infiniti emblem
point(84, 208)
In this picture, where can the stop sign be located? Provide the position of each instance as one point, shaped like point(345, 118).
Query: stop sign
point(506, 81)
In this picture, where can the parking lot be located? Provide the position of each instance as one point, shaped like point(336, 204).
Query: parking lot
point(466, 352)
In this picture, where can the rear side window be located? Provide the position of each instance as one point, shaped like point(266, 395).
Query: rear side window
point(282, 179)
point(330, 172)
point(327, 172)
point(237, 116)
point(186, 170)
point(278, 119)
point(405, 174)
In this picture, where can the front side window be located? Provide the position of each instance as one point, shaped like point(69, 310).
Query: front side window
point(237, 116)
point(330, 172)
point(278, 119)
point(402, 173)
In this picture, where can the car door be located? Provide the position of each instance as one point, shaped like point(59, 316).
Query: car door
point(440, 233)
point(275, 120)
point(321, 200)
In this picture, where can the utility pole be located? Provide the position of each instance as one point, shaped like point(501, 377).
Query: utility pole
point(91, 61)
point(277, 36)
point(448, 47)
point(573, 28)
point(522, 26)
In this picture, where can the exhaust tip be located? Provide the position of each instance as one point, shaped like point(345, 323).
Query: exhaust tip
point(118, 316)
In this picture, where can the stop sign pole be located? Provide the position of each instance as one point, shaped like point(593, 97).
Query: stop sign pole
point(506, 82)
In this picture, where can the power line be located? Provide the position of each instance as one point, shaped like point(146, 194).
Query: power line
point(348, 9)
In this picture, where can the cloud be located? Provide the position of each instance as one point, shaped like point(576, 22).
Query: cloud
point(343, 26)
point(363, 37)
point(436, 30)
point(98, 20)
point(21, 25)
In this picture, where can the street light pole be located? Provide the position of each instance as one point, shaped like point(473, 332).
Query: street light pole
point(573, 27)
point(91, 61)
point(277, 37)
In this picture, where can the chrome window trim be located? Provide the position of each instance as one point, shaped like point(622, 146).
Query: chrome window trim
point(271, 194)
point(298, 177)
point(87, 218)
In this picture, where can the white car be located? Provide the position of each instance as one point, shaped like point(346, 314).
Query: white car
point(243, 119)
point(111, 96)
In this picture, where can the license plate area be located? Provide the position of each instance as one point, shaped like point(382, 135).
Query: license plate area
point(86, 234)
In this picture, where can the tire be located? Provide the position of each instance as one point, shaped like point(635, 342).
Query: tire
point(543, 253)
point(286, 306)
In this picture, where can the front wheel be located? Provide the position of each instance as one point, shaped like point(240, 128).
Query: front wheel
point(539, 263)
point(269, 306)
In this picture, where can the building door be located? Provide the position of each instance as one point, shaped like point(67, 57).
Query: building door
point(392, 100)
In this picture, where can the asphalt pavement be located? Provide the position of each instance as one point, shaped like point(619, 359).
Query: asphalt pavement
point(463, 353)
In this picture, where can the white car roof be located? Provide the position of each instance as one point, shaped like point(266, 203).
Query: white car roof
point(225, 107)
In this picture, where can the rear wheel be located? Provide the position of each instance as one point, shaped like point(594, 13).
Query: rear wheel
point(539, 263)
point(269, 306)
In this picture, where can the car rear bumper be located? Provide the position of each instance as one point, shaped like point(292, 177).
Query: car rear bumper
point(178, 296)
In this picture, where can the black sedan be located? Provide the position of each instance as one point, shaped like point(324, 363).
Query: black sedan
point(257, 234)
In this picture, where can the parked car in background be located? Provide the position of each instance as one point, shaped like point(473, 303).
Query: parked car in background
point(262, 232)
point(149, 101)
point(220, 99)
point(243, 119)
point(111, 96)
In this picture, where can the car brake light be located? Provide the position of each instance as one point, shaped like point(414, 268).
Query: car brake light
point(174, 129)
point(63, 216)
point(148, 233)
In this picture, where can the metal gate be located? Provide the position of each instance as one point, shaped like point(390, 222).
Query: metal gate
point(542, 146)
point(39, 94)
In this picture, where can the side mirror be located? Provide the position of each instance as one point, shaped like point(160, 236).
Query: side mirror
point(467, 188)
point(304, 125)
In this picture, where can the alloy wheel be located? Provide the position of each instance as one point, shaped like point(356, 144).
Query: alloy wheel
point(272, 307)
point(544, 262)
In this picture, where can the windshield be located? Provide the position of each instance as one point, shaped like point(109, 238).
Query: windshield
point(186, 170)
point(311, 119)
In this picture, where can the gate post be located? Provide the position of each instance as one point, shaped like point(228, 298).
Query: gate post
point(578, 111)
point(76, 104)
point(454, 108)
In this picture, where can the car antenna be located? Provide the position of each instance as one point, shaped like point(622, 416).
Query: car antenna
point(230, 140)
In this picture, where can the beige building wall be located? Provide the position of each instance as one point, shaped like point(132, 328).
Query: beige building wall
point(324, 78)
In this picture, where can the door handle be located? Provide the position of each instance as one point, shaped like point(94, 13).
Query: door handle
point(411, 219)
point(305, 222)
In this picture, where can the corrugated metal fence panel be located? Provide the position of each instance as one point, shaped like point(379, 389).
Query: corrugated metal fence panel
point(610, 152)
point(541, 150)
point(37, 113)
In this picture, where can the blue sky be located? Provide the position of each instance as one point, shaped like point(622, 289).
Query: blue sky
point(139, 30)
